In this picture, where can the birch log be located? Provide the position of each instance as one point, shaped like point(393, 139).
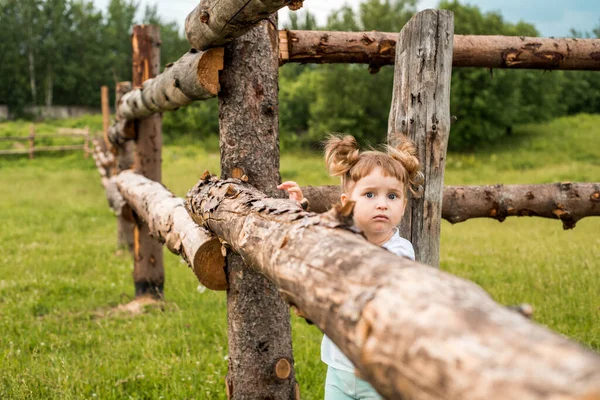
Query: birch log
point(124, 161)
point(104, 161)
point(259, 332)
point(566, 201)
point(195, 76)
point(215, 22)
point(421, 111)
point(170, 223)
point(413, 331)
point(379, 48)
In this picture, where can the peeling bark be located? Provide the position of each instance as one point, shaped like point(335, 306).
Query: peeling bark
point(413, 331)
point(379, 48)
point(566, 201)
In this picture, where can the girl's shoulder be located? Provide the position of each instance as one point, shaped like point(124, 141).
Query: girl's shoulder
point(400, 246)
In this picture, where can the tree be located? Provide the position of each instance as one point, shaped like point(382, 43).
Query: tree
point(489, 103)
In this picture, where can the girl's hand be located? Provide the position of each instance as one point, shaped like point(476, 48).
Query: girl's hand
point(293, 190)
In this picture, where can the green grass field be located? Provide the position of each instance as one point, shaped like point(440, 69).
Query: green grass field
point(60, 273)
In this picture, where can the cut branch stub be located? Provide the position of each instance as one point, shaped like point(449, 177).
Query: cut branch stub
point(170, 223)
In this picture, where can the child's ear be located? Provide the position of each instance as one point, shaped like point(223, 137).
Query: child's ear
point(344, 198)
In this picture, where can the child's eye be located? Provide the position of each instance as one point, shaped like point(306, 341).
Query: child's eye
point(392, 196)
point(370, 195)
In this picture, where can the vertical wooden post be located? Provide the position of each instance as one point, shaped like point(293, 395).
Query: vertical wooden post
point(148, 270)
point(421, 110)
point(258, 319)
point(124, 161)
point(105, 115)
point(31, 140)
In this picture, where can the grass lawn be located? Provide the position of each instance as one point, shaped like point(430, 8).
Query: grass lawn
point(60, 273)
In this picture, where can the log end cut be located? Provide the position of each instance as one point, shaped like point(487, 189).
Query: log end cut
point(209, 265)
point(208, 69)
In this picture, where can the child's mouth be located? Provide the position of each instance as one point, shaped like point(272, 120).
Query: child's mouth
point(380, 218)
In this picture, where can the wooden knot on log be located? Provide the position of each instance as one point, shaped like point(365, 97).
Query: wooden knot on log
point(295, 5)
point(204, 17)
point(283, 369)
point(595, 197)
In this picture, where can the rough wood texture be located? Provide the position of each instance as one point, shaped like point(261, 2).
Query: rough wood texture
point(105, 114)
point(170, 223)
point(413, 331)
point(215, 22)
point(104, 161)
point(120, 132)
point(421, 111)
point(195, 76)
point(379, 48)
point(566, 201)
point(258, 319)
point(148, 270)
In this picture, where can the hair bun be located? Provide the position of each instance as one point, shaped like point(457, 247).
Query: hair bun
point(406, 153)
point(341, 153)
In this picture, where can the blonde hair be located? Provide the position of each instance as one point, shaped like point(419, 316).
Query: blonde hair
point(344, 159)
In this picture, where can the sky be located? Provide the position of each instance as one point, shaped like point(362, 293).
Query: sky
point(550, 17)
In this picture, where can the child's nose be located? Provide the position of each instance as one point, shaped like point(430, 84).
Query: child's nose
point(382, 205)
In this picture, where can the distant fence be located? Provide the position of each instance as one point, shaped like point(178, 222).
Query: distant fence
point(31, 148)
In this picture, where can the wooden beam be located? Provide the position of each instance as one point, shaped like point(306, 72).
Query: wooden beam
point(413, 331)
point(379, 48)
point(421, 111)
point(259, 332)
point(170, 223)
point(148, 270)
point(565, 201)
point(195, 76)
point(215, 22)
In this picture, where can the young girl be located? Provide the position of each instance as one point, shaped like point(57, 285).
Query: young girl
point(377, 182)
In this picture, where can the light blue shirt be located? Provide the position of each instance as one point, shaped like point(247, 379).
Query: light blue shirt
point(330, 353)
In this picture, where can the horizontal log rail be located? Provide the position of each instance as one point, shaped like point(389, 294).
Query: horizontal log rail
point(411, 330)
point(195, 76)
point(43, 148)
point(215, 22)
point(170, 223)
point(60, 133)
point(379, 48)
point(104, 161)
point(566, 201)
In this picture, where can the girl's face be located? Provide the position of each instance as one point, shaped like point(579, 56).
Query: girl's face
point(380, 204)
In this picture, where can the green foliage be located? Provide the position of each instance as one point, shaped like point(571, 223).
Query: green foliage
point(488, 104)
point(60, 337)
point(62, 51)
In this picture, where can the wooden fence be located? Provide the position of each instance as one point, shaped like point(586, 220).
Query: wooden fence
point(60, 133)
point(412, 330)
